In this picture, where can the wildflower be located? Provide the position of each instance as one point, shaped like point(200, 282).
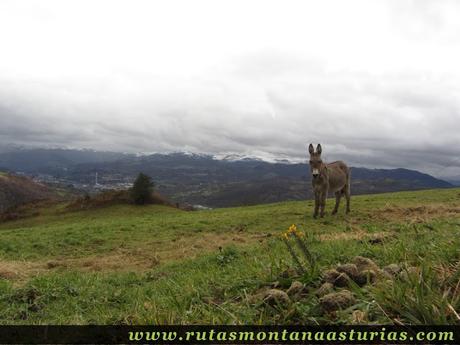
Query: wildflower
point(292, 229)
point(299, 237)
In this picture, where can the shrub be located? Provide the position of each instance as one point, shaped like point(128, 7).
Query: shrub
point(142, 190)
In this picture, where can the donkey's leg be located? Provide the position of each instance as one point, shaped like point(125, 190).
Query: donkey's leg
point(338, 195)
point(317, 202)
point(347, 196)
point(323, 203)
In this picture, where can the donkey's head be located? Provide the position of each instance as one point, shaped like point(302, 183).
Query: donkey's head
point(316, 163)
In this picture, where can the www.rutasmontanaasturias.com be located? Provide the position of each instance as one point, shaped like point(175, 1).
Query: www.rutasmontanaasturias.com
point(286, 335)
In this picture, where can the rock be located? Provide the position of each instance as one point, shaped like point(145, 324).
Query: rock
point(336, 278)
point(366, 277)
point(276, 297)
point(411, 272)
point(392, 269)
point(363, 263)
point(329, 276)
point(258, 296)
point(385, 275)
point(324, 289)
point(350, 269)
point(295, 289)
point(337, 300)
point(389, 282)
point(358, 317)
point(289, 273)
point(342, 280)
point(275, 284)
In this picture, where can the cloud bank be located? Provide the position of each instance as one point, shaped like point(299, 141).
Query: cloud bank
point(376, 83)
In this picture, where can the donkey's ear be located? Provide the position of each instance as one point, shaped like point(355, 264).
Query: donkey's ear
point(311, 149)
point(319, 149)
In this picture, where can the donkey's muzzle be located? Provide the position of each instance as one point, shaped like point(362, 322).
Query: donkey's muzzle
point(315, 172)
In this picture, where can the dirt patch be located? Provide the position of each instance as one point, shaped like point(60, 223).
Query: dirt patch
point(190, 247)
point(357, 234)
point(120, 261)
point(19, 270)
point(420, 213)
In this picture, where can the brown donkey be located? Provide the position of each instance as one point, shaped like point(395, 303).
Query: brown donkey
point(331, 177)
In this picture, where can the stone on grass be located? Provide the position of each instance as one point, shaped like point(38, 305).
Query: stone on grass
point(324, 289)
point(337, 300)
point(411, 272)
point(392, 269)
point(363, 263)
point(275, 297)
point(329, 276)
point(342, 280)
point(258, 296)
point(366, 277)
point(289, 273)
point(358, 317)
point(295, 289)
point(336, 278)
point(350, 269)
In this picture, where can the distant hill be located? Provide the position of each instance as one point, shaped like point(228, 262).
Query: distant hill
point(454, 180)
point(52, 160)
point(199, 179)
point(203, 180)
point(18, 190)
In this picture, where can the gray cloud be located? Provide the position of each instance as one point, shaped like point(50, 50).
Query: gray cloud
point(369, 122)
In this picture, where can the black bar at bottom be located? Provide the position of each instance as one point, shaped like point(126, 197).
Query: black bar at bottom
point(230, 334)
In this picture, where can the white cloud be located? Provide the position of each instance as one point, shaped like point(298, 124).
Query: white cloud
point(376, 82)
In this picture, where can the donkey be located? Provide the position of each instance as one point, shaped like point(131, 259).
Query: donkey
point(331, 177)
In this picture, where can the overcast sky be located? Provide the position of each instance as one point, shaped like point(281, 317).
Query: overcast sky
point(376, 82)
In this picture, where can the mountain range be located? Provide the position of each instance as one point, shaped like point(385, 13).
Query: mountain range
point(202, 179)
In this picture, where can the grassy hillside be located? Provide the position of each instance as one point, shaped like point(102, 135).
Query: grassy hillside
point(155, 264)
point(17, 190)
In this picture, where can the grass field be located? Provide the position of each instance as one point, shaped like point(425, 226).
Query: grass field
point(153, 264)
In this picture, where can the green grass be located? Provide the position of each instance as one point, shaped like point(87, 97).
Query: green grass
point(153, 264)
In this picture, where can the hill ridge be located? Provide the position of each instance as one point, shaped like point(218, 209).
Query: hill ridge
point(204, 180)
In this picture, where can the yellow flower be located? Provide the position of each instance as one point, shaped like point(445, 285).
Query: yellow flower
point(292, 229)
